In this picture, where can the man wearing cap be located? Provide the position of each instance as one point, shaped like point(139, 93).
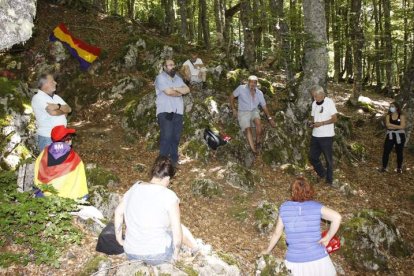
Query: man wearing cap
point(249, 99)
point(169, 89)
point(50, 110)
point(194, 70)
point(60, 166)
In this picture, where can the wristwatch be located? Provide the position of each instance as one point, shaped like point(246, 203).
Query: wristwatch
point(59, 106)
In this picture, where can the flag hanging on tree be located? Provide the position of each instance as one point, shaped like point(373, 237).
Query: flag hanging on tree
point(82, 51)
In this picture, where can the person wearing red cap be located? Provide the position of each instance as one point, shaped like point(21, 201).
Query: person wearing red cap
point(61, 167)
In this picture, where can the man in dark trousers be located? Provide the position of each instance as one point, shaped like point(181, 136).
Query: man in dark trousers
point(323, 119)
point(170, 88)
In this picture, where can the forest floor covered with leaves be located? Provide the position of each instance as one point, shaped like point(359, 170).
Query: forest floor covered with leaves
point(226, 221)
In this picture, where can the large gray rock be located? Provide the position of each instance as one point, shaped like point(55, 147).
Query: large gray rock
point(16, 122)
point(240, 177)
point(123, 86)
point(104, 200)
point(265, 216)
point(58, 51)
point(16, 21)
point(269, 265)
point(205, 187)
point(369, 238)
point(206, 263)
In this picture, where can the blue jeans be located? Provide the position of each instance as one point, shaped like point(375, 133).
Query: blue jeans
point(322, 145)
point(43, 141)
point(155, 259)
point(171, 126)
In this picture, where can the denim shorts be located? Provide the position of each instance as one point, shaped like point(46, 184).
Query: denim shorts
point(155, 259)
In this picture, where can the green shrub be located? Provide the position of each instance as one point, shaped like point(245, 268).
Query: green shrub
point(39, 228)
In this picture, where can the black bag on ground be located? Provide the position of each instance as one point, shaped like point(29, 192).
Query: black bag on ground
point(107, 242)
point(213, 140)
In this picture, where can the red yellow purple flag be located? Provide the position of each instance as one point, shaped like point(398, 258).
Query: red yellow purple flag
point(83, 52)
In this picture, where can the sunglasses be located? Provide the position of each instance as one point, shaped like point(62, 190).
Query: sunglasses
point(320, 111)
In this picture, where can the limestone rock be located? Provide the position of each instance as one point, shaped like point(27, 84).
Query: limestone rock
point(58, 51)
point(369, 238)
point(16, 122)
point(240, 177)
point(269, 265)
point(265, 216)
point(16, 21)
point(104, 200)
point(123, 86)
point(203, 264)
point(205, 187)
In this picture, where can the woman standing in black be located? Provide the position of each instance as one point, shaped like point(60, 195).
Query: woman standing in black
point(395, 123)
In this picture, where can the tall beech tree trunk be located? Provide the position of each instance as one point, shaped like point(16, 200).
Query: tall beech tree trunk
point(220, 20)
point(281, 33)
point(249, 47)
point(315, 66)
point(357, 45)
point(388, 46)
point(168, 6)
point(377, 47)
point(204, 23)
point(336, 36)
point(191, 21)
point(183, 14)
point(406, 96)
point(227, 26)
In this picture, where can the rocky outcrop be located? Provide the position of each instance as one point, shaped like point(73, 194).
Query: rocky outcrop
point(100, 184)
point(203, 265)
point(369, 239)
point(265, 216)
point(205, 187)
point(16, 21)
point(16, 122)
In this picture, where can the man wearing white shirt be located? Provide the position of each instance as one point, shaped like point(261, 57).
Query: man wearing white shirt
point(194, 70)
point(50, 110)
point(324, 117)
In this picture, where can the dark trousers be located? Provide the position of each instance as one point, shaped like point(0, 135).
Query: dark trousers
point(322, 145)
point(399, 148)
point(171, 126)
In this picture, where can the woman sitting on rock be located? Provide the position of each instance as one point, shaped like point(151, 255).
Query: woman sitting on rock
point(301, 218)
point(154, 232)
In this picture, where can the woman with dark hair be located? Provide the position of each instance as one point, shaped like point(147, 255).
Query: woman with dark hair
point(301, 218)
point(395, 123)
point(154, 232)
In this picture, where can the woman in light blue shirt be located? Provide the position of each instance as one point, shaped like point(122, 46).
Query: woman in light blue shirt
point(301, 218)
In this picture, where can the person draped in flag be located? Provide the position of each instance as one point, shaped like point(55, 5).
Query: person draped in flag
point(60, 166)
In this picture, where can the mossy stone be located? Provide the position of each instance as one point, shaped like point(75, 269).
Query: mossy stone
point(227, 258)
point(369, 237)
point(205, 187)
point(265, 216)
point(100, 177)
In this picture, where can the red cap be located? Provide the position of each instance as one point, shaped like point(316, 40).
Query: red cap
point(59, 132)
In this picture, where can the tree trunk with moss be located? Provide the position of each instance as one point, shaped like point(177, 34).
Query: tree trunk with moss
point(357, 45)
point(249, 47)
point(407, 96)
point(315, 66)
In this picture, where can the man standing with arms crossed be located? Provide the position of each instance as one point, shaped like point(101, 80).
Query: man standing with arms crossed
point(50, 110)
point(169, 89)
